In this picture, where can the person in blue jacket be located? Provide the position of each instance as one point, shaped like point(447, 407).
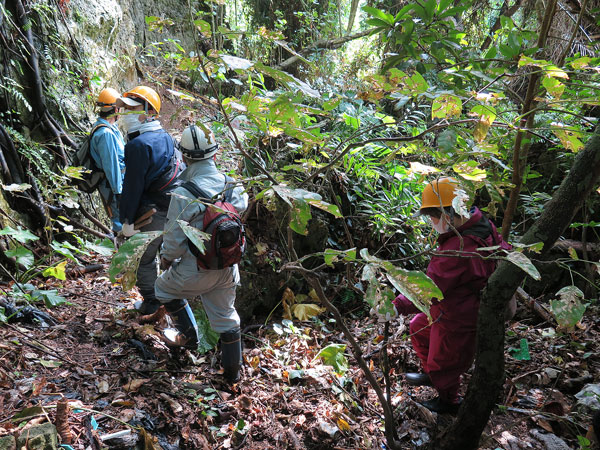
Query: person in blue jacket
point(107, 151)
point(151, 168)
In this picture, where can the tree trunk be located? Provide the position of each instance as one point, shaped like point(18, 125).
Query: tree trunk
point(353, 9)
point(488, 376)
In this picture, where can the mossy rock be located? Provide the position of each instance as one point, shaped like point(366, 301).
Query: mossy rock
point(40, 437)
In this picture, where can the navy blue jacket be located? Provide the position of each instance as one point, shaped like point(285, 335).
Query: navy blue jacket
point(147, 157)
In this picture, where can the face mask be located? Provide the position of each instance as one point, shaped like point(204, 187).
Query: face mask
point(129, 122)
point(441, 227)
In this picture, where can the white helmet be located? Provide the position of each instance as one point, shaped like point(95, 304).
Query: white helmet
point(198, 142)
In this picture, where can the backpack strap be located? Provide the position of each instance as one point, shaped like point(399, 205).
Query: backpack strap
point(193, 189)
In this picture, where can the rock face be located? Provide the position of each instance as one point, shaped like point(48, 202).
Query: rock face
point(40, 437)
point(7, 443)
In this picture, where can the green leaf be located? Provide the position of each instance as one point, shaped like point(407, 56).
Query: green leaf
point(447, 140)
point(554, 87)
point(521, 353)
point(22, 255)
point(28, 412)
point(331, 255)
point(525, 264)
point(300, 215)
point(207, 337)
point(327, 207)
point(50, 364)
point(332, 103)
point(235, 63)
point(470, 170)
point(3, 318)
point(50, 298)
point(203, 27)
point(23, 236)
point(198, 237)
point(414, 285)
point(387, 18)
point(568, 136)
point(573, 253)
point(58, 271)
point(351, 121)
point(64, 249)
point(580, 63)
point(125, 262)
point(569, 309)
point(287, 80)
point(446, 106)
point(333, 355)
point(105, 247)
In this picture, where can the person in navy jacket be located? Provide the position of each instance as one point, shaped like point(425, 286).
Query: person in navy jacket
point(151, 168)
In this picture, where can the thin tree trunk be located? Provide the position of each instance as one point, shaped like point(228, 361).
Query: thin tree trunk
point(506, 12)
point(526, 122)
point(353, 9)
point(488, 376)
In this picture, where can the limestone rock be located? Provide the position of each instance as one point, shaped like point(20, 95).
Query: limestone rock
point(588, 398)
point(39, 437)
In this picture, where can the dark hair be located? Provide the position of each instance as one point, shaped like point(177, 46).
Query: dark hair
point(437, 212)
point(109, 113)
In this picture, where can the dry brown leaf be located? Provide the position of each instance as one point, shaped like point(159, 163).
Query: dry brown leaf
point(134, 385)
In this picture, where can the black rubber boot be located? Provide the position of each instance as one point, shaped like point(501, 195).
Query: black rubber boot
point(147, 306)
point(441, 406)
point(231, 354)
point(185, 322)
point(418, 379)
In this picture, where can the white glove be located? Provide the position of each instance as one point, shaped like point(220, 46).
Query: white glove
point(128, 230)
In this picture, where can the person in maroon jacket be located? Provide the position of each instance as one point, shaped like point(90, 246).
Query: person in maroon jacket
point(446, 347)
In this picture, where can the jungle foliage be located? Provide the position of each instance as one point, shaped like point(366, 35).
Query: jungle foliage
point(340, 146)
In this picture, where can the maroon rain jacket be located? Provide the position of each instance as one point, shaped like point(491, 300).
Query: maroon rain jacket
point(446, 347)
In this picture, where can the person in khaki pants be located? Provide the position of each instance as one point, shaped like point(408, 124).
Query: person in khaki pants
point(184, 278)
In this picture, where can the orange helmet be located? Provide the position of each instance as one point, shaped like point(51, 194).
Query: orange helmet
point(108, 97)
point(144, 93)
point(439, 193)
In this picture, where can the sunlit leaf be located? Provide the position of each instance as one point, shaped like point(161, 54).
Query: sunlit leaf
point(414, 285)
point(327, 207)
point(105, 247)
point(207, 337)
point(333, 355)
point(446, 106)
point(125, 262)
point(573, 253)
point(343, 425)
point(580, 63)
point(524, 263)
point(306, 311)
point(554, 87)
point(203, 27)
point(331, 255)
point(470, 170)
point(417, 167)
point(16, 187)
point(23, 236)
point(58, 271)
point(51, 363)
point(300, 215)
point(487, 115)
point(568, 136)
point(235, 63)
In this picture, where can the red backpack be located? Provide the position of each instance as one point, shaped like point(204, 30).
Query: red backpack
point(224, 224)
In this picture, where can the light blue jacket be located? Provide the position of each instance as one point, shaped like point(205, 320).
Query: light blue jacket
point(208, 178)
point(107, 150)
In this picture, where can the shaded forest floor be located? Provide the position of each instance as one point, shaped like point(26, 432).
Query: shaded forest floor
point(118, 376)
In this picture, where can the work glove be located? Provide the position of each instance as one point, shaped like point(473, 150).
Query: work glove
point(128, 230)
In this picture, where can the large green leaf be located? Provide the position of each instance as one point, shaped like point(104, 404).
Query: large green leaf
point(299, 201)
point(331, 255)
point(198, 237)
point(414, 285)
point(23, 256)
point(125, 262)
point(23, 236)
point(333, 355)
point(569, 309)
point(105, 247)
point(51, 298)
point(299, 216)
point(207, 337)
point(287, 80)
point(525, 264)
